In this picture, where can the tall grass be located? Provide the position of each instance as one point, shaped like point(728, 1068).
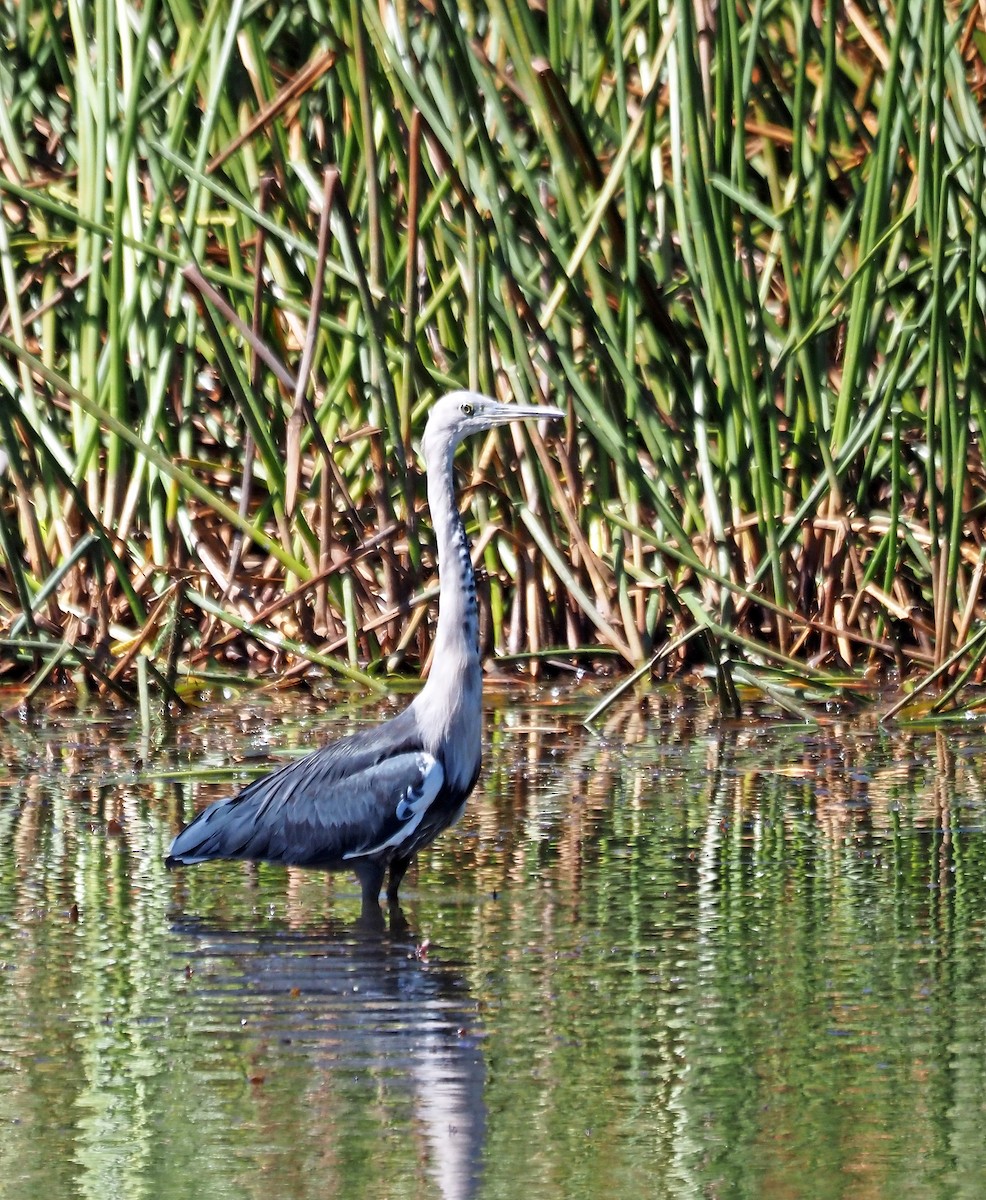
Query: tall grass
point(243, 245)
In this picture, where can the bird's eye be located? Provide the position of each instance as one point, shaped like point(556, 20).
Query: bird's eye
point(467, 410)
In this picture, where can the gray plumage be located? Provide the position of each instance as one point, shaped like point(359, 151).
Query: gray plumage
point(370, 801)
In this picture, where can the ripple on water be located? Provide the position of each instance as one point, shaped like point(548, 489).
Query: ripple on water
point(680, 958)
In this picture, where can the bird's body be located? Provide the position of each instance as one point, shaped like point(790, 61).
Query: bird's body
point(368, 801)
point(371, 800)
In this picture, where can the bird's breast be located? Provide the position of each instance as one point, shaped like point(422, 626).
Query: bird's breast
point(448, 714)
point(462, 751)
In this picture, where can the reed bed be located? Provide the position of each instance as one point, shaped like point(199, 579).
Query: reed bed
point(243, 245)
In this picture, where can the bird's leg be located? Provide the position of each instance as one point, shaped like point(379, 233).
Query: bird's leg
point(370, 874)
point(398, 869)
point(398, 922)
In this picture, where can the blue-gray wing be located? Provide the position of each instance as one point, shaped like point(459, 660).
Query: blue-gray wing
point(310, 814)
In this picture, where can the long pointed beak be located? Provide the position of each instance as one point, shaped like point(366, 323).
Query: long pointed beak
point(504, 413)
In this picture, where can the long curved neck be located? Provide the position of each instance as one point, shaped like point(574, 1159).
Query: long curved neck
point(449, 708)
point(457, 637)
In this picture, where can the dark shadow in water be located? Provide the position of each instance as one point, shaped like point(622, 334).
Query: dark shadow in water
point(362, 1003)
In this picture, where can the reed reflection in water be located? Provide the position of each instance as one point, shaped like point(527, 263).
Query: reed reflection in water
point(693, 958)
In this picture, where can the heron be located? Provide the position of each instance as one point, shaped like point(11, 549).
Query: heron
point(371, 800)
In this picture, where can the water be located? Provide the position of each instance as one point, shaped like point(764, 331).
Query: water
point(677, 958)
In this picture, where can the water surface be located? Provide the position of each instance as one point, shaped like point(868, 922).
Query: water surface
point(673, 957)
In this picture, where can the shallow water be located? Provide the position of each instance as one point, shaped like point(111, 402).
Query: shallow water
point(674, 957)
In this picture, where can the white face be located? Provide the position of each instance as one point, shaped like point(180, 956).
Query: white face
point(463, 413)
point(459, 414)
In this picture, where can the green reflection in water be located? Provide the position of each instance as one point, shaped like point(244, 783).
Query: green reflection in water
point(678, 959)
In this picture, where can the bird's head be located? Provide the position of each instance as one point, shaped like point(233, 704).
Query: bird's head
point(458, 414)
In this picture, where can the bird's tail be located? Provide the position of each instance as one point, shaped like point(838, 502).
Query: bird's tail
point(204, 838)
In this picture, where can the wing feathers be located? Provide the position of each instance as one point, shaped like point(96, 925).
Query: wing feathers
point(311, 813)
point(411, 807)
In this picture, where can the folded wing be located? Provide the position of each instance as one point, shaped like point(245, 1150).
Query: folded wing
point(313, 813)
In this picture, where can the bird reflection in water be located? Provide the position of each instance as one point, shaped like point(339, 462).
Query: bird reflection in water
point(368, 1010)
